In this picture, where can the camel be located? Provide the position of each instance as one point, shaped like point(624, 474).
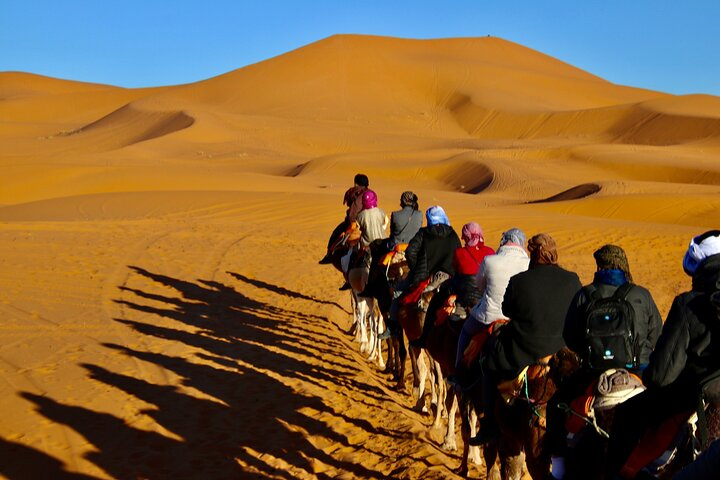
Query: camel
point(367, 317)
point(386, 271)
point(521, 417)
point(441, 347)
point(662, 453)
point(412, 317)
point(371, 297)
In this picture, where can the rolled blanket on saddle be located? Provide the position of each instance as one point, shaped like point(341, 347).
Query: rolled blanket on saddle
point(614, 386)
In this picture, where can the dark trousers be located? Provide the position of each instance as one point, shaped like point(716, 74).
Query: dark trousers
point(490, 380)
point(646, 410)
point(393, 324)
point(337, 232)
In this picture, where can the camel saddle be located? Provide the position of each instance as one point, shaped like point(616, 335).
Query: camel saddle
point(477, 342)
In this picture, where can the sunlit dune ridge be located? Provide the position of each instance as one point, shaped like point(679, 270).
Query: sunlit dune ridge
point(162, 307)
point(398, 107)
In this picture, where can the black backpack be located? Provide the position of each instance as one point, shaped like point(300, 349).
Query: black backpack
point(609, 329)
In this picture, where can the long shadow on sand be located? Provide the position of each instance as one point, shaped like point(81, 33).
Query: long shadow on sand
point(229, 410)
point(18, 461)
point(281, 290)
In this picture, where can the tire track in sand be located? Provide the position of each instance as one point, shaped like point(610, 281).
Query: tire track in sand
point(116, 281)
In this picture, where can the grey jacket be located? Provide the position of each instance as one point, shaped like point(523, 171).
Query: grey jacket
point(404, 224)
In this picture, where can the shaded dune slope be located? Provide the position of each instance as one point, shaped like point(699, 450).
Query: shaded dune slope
point(574, 193)
point(627, 124)
point(130, 124)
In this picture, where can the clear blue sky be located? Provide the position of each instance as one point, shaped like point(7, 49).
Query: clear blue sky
point(667, 45)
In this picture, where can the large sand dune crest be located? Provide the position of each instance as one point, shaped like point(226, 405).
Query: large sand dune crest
point(129, 125)
point(162, 307)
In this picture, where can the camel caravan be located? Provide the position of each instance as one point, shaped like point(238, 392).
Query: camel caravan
point(564, 380)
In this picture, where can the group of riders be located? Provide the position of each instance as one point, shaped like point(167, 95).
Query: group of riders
point(526, 308)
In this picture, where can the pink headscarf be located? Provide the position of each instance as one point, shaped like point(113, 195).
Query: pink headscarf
point(369, 199)
point(472, 234)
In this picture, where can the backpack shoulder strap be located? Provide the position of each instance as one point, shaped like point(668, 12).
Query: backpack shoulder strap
point(590, 292)
point(623, 290)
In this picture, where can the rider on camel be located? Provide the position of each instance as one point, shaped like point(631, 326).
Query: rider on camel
point(612, 272)
point(406, 222)
point(536, 302)
point(466, 262)
point(430, 251)
point(687, 354)
point(372, 223)
point(353, 200)
point(492, 279)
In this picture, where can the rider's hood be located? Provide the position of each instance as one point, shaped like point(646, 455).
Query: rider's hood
point(707, 275)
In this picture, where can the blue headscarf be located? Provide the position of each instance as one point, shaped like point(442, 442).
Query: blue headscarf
point(436, 215)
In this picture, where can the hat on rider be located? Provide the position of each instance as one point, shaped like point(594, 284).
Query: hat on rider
point(436, 215)
point(408, 199)
point(472, 234)
point(543, 250)
point(362, 180)
point(514, 235)
point(700, 248)
point(369, 199)
point(612, 257)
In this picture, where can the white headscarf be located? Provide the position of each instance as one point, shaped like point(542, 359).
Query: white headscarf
point(700, 248)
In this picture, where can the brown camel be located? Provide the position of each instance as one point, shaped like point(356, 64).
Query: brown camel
point(522, 418)
point(441, 346)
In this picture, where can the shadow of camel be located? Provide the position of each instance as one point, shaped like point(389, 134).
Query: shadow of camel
point(282, 290)
point(238, 407)
point(28, 463)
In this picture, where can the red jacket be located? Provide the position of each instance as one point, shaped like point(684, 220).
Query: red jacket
point(467, 260)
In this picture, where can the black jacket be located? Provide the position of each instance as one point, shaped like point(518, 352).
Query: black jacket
point(689, 346)
point(647, 325)
point(536, 302)
point(431, 250)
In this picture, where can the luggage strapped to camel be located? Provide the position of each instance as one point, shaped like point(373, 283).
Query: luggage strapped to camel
point(612, 387)
point(349, 237)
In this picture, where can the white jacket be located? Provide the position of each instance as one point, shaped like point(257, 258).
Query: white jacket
point(492, 279)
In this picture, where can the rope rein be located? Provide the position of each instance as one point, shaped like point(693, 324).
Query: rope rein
point(592, 421)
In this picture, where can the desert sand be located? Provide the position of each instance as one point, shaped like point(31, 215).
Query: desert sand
point(162, 311)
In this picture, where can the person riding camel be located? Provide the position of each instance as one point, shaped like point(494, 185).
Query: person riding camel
point(353, 200)
point(466, 262)
point(536, 302)
point(492, 279)
point(406, 222)
point(686, 357)
point(372, 222)
point(371, 219)
point(431, 250)
point(613, 272)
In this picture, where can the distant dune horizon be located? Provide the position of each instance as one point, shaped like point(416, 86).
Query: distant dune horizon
point(163, 307)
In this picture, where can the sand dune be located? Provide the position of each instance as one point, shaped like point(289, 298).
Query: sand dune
point(163, 310)
point(129, 125)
